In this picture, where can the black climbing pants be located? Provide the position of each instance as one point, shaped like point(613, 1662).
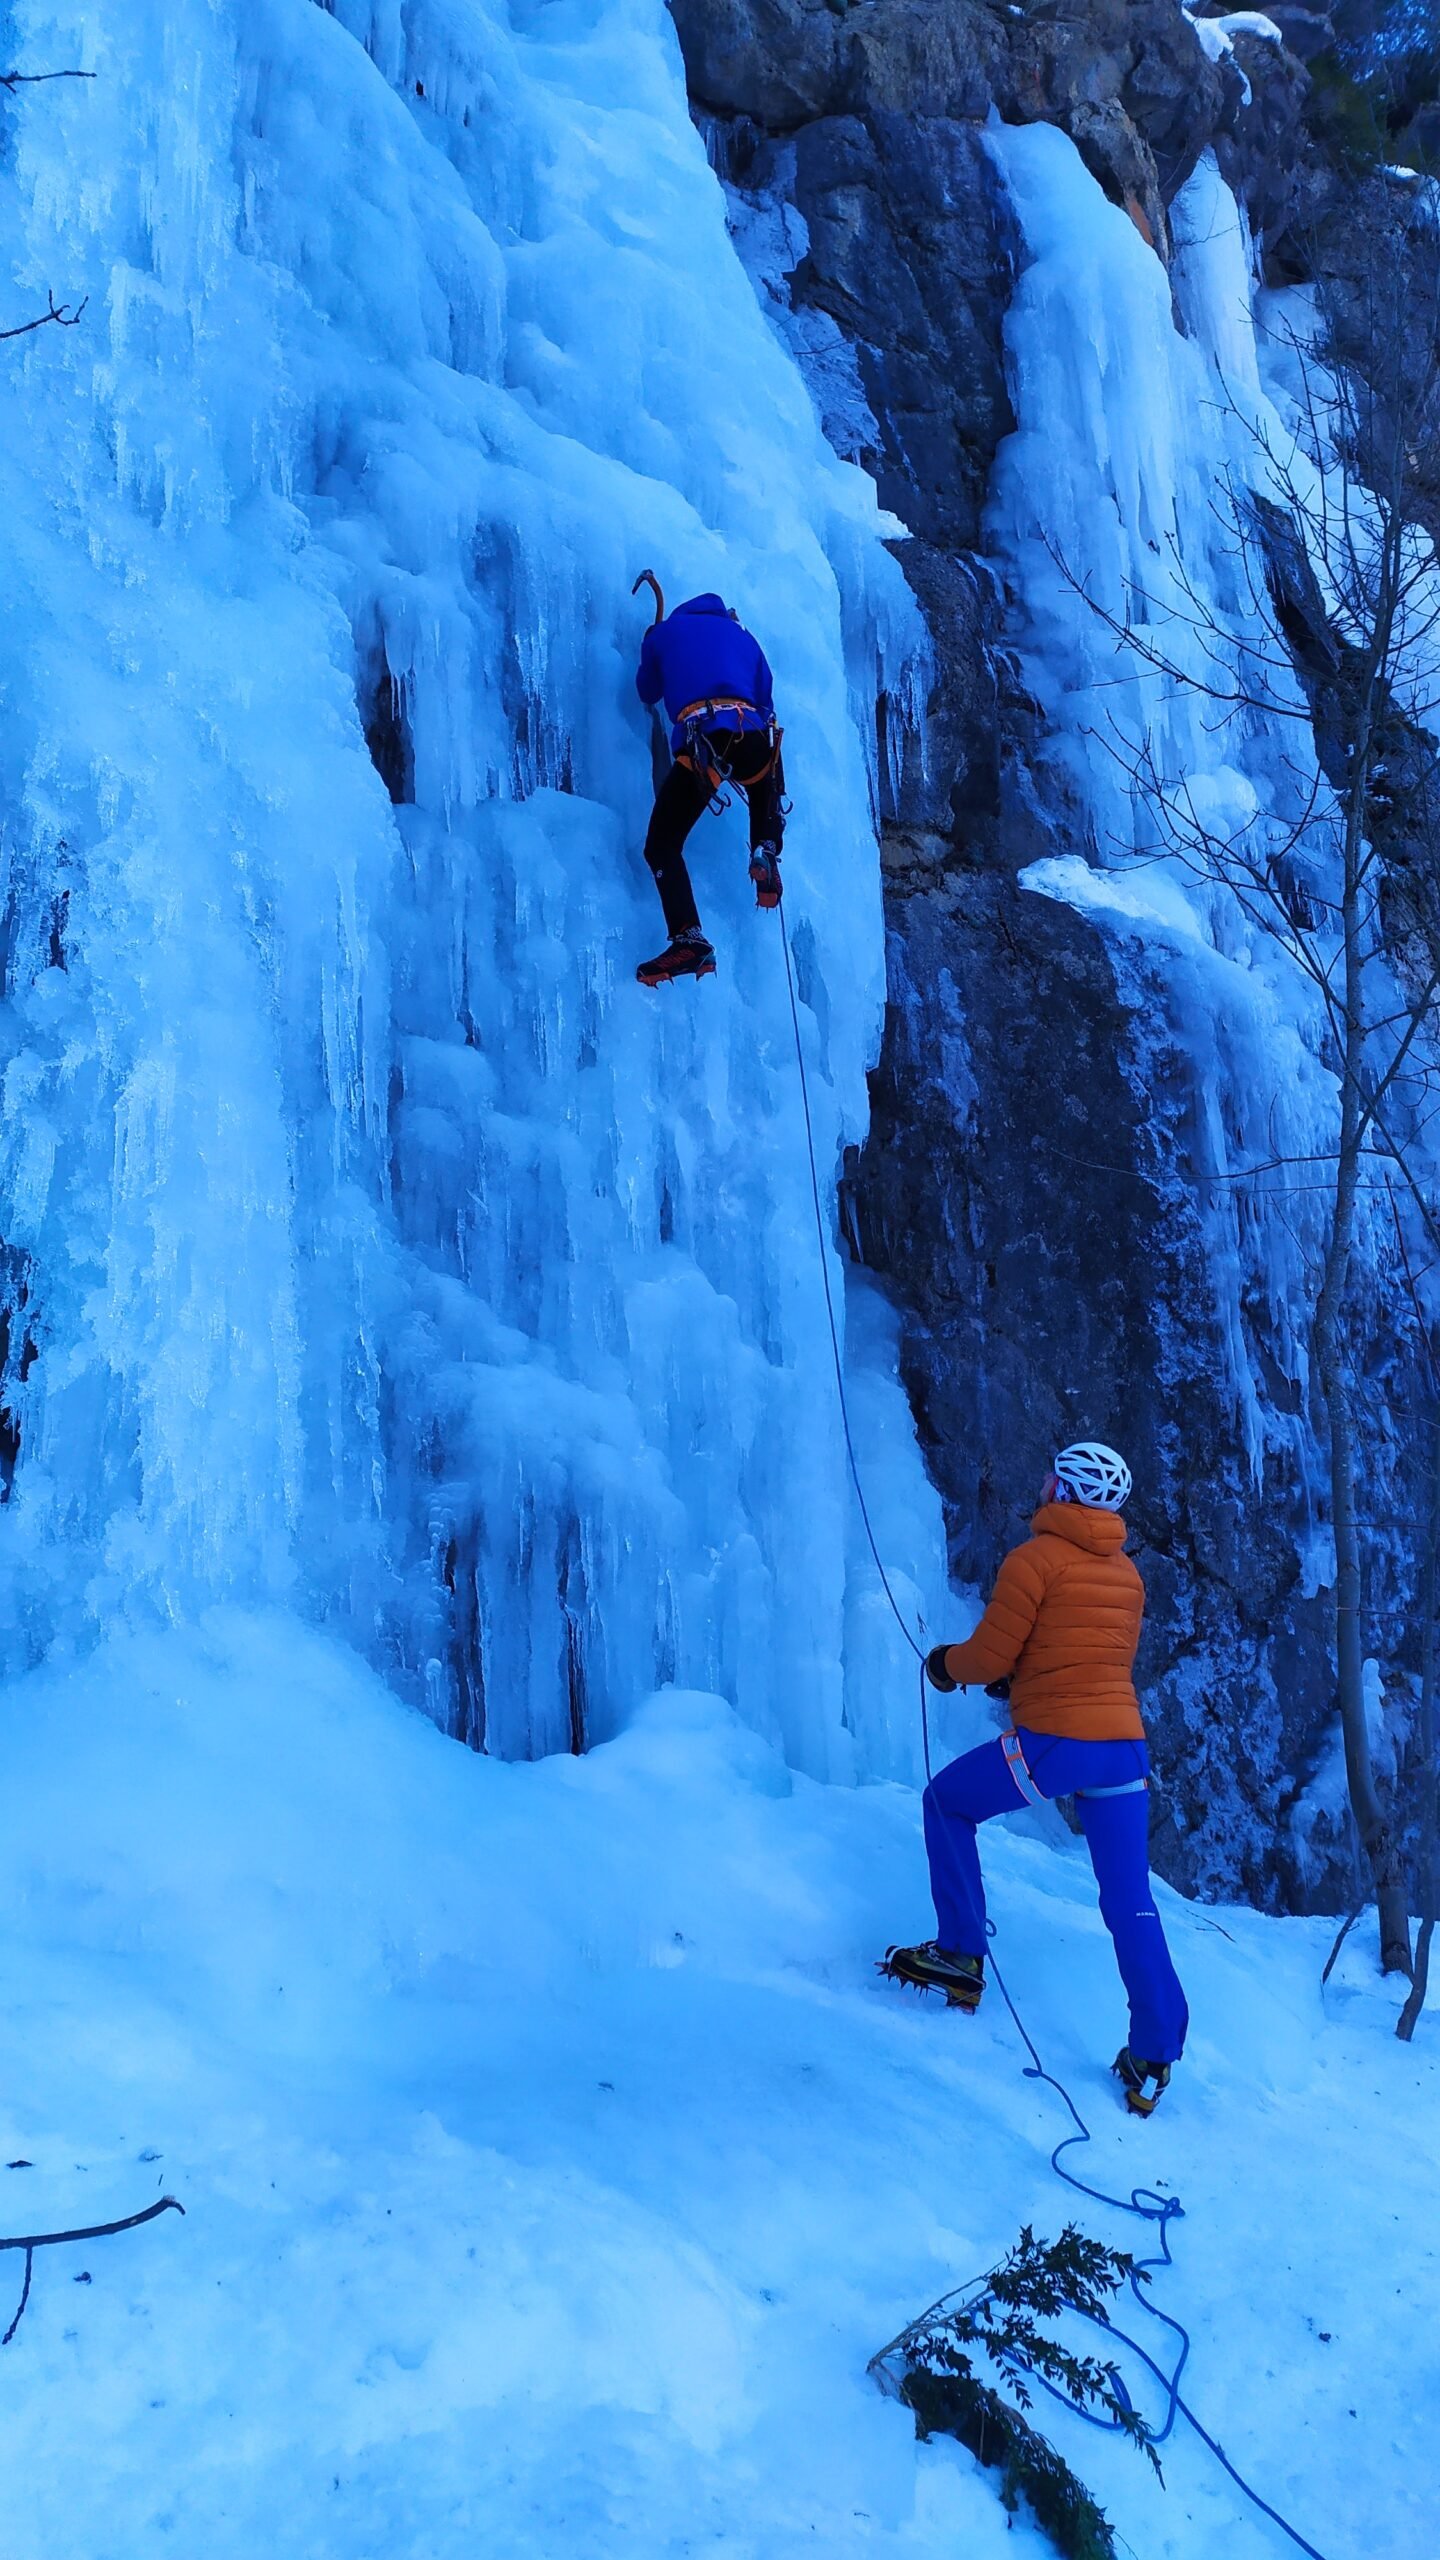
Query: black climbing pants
point(684, 796)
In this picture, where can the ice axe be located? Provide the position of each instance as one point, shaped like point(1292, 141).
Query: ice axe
point(647, 578)
point(659, 741)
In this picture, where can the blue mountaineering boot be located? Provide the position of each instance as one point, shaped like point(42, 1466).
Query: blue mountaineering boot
point(932, 1968)
point(765, 872)
point(688, 955)
point(1133, 2076)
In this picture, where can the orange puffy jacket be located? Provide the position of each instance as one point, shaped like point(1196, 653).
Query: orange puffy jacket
point(1062, 1625)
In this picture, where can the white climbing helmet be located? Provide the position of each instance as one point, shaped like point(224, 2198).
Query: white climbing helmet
point(1089, 1472)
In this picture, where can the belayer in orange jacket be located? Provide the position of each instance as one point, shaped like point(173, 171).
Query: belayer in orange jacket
point(1061, 1632)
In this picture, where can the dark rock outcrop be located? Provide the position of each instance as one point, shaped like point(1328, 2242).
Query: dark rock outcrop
point(1023, 1188)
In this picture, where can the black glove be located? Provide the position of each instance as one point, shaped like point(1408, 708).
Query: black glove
point(998, 1689)
point(935, 1671)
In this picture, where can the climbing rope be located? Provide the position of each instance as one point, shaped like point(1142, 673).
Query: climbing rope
point(824, 1243)
point(1146, 2203)
point(900, 1620)
point(1149, 2206)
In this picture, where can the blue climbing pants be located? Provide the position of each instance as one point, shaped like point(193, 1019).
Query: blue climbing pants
point(978, 1786)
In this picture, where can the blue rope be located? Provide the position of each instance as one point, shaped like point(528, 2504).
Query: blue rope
point(900, 1619)
point(1149, 2206)
point(1144, 2202)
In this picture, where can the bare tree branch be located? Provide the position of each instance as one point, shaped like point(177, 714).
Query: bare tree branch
point(32, 79)
point(59, 312)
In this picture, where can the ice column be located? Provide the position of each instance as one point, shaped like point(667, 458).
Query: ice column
point(1116, 504)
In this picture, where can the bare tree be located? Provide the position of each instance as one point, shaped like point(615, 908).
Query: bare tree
point(1336, 642)
point(1428, 1855)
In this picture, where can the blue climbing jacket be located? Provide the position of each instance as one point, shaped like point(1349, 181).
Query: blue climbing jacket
point(697, 652)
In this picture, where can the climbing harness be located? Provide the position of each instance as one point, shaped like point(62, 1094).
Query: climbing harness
point(701, 754)
point(1146, 2203)
point(1019, 1767)
point(710, 703)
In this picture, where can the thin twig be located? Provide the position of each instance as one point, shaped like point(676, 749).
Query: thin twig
point(32, 79)
point(30, 2241)
point(59, 312)
point(95, 2230)
point(1345, 1929)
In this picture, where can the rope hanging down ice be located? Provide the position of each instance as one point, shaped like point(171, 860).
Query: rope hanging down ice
point(916, 1647)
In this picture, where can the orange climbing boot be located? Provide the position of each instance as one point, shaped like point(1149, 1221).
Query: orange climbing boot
point(689, 955)
point(765, 872)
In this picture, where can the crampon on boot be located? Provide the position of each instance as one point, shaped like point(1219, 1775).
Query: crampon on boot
point(932, 1968)
point(689, 955)
point(1134, 2077)
point(765, 872)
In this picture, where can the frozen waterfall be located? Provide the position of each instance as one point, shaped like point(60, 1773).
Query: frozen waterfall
point(1142, 423)
point(372, 1245)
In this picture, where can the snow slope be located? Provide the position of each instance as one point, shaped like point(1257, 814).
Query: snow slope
point(553, 2159)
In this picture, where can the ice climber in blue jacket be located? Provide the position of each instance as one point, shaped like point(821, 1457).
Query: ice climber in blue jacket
point(715, 683)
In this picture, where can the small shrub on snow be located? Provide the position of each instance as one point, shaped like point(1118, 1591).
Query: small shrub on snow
point(937, 2378)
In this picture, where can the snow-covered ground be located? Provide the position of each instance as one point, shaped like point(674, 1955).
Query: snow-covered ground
point(553, 2159)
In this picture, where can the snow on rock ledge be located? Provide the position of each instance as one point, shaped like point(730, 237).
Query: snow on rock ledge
point(1217, 36)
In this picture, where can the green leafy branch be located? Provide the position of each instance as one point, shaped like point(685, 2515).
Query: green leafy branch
point(1000, 2319)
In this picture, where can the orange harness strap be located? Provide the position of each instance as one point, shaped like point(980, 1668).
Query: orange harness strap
point(1019, 1768)
point(714, 702)
point(1014, 1750)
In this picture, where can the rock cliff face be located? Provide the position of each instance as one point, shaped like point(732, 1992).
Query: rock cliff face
point(1054, 1278)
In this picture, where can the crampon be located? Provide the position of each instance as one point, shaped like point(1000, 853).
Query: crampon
point(765, 872)
point(1135, 2078)
point(930, 1968)
point(688, 956)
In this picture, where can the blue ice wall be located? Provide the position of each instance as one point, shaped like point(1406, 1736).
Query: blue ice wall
point(373, 1245)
